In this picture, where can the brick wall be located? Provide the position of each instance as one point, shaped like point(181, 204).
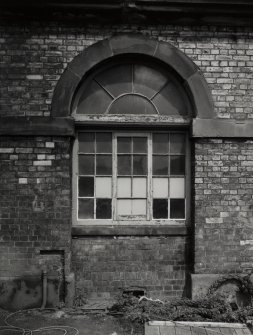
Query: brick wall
point(223, 205)
point(33, 56)
point(35, 179)
point(106, 267)
point(34, 202)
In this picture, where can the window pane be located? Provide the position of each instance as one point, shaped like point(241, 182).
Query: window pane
point(86, 164)
point(124, 207)
point(160, 165)
point(160, 143)
point(104, 142)
point(139, 187)
point(139, 207)
point(124, 188)
point(86, 142)
point(104, 165)
point(177, 188)
point(177, 143)
point(160, 188)
point(85, 208)
point(117, 79)
point(177, 165)
point(147, 80)
point(93, 100)
point(124, 145)
point(177, 209)
point(140, 165)
point(103, 208)
point(124, 165)
point(103, 187)
point(160, 208)
point(140, 145)
point(86, 187)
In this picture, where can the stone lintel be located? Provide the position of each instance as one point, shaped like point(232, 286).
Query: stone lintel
point(219, 128)
point(36, 125)
point(129, 230)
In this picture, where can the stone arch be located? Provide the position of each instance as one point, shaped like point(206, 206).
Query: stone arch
point(133, 44)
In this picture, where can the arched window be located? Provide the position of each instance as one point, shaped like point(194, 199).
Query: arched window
point(135, 168)
point(136, 87)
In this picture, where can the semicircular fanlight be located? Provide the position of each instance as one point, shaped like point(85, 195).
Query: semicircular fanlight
point(132, 88)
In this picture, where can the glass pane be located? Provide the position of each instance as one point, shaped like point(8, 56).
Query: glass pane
point(147, 80)
point(85, 208)
point(124, 207)
point(177, 188)
point(172, 100)
point(139, 207)
point(86, 164)
point(104, 142)
point(93, 99)
point(160, 188)
point(177, 209)
point(177, 143)
point(132, 104)
point(140, 145)
point(124, 188)
point(104, 165)
point(124, 145)
point(86, 187)
point(160, 143)
point(139, 165)
point(117, 79)
point(86, 142)
point(177, 165)
point(160, 209)
point(139, 187)
point(124, 165)
point(160, 165)
point(103, 209)
point(103, 187)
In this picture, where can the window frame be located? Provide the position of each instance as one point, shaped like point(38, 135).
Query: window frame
point(131, 222)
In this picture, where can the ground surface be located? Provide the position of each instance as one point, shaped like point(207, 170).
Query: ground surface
point(91, 323)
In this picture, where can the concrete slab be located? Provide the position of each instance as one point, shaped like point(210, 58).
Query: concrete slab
point(195, 328)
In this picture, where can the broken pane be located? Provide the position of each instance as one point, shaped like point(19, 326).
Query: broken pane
point(86, 187)
point(177, 165)
point(103, 209)
point(160, 208)
point(177, 208)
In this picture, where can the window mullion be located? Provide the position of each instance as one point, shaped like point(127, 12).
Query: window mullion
point(149, 177)
point(114, 176)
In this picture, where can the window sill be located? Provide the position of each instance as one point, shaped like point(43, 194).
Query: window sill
point(144, 230)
